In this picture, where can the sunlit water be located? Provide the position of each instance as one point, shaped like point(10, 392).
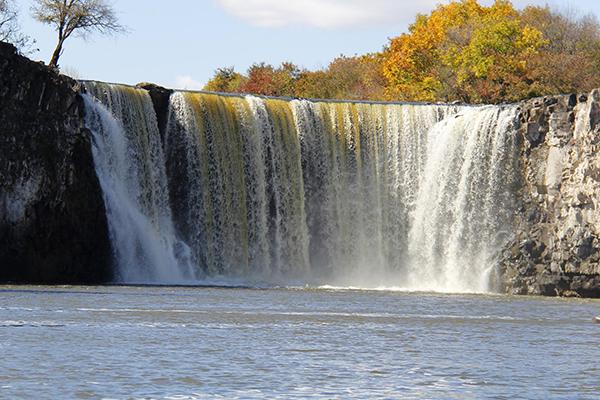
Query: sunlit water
point(187, 343)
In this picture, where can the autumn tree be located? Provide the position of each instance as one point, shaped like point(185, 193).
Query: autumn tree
point(264, 79)
point(493, 65)
point(356, 77)
point(463, 51)
point(352, 78)
point(285, 79)
point(80, 17)
point(225, 80)
point(315, 85)
point(569, 60)
point(260, 80)
point(9, 26)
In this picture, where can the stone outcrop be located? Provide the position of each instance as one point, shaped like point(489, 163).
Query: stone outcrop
point(160, 99)
point(53, 225)
point(556, 249)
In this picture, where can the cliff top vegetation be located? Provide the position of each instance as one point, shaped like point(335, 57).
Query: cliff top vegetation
point(461, 51)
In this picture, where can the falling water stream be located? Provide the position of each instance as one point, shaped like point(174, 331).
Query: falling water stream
point(297, 192)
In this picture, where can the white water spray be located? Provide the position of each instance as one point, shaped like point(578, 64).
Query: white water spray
point(299, 192)
point(130, 168)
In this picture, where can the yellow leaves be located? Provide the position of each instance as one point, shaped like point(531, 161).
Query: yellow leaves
point(501, 10)
point(531, 39)
point(447, 53)
point(225, 80)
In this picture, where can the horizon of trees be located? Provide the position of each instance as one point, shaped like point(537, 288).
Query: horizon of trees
point(461, 51)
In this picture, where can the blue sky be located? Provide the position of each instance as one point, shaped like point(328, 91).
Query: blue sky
point(179, 43)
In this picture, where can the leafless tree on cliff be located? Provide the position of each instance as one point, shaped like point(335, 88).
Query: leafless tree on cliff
point(9, 27)
point(80, 17)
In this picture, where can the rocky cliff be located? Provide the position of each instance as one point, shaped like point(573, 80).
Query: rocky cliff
point(52, 219)
point(556, 249)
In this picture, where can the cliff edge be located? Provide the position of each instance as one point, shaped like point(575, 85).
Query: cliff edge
point(556, 246)
point(53, 225)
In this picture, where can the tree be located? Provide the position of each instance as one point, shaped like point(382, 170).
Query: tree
point(9, 26)
point(80, 17)
point(357, 78)
point(464, 51)
point(315, 85)
point(493, 66)
point(264, 79)
point(261, 80)
point(225, 80)
point(350, 78)
point(474, 53)
point(285, 78)
point(569, 61)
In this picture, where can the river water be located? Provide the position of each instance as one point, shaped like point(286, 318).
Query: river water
point(195, 343)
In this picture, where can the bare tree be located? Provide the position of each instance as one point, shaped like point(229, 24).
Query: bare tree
point(9, 26)
point(81, 17)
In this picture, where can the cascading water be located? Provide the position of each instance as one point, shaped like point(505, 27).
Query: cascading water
point(238, 188)
point(300, 192)
point(131, 169)
point(465, 203)
point(362, 164)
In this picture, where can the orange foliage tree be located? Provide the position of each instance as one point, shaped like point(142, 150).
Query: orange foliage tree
point(463, 51)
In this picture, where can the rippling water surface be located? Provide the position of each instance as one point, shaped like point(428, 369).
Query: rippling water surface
point(188, 343)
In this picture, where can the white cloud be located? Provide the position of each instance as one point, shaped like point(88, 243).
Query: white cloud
point(186, 82)
point(330, 14)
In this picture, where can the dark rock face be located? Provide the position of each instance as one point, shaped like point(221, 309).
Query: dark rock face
point(556, 248)
point(160, 99)
point(53, 225)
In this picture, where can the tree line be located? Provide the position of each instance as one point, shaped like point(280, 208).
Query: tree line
point(461, 51)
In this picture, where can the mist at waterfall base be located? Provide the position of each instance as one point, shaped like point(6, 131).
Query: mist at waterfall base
point(261, 192)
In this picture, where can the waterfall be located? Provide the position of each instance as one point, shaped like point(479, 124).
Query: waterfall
point(131, 169)
point(296, 192)
point(465, 202)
